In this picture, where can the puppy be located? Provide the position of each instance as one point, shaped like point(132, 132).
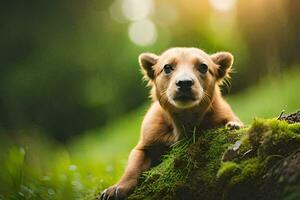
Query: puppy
point(185, 89)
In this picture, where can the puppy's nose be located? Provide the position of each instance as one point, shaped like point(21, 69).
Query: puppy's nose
point(185, 83)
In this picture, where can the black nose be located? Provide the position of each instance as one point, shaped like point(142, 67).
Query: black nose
point(185, 84)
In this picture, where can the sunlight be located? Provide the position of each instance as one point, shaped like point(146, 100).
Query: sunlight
point(137, 9)
point(223, 5)
point(142, 32)
point(115, 11)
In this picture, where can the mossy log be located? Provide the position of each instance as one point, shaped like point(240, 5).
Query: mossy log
point(261, 161)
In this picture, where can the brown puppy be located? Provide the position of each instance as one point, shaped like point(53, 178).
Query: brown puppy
point(186, 96)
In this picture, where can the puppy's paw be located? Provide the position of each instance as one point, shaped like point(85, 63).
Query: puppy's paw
point(234, 125)
point(114, 192)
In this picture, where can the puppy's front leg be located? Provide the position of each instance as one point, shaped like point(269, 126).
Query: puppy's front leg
point(138, 162)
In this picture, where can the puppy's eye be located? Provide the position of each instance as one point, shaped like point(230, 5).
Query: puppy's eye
point(168, 68)
point(202, 68)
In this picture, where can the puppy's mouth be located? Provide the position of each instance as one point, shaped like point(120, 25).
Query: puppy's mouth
point(184, 97)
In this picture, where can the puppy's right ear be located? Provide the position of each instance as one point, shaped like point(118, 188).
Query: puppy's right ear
point(147, 61)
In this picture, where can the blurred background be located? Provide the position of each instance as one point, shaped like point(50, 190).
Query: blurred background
point(71, 94)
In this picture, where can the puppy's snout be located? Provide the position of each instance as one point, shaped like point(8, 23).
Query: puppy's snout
point(185, 83)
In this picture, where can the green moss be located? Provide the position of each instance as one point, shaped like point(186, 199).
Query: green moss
point(227, 170)
point(295, 128)
point(250, 169)
point(292, 193)
point(194, 170)
point(280, 140)
point(256, 133)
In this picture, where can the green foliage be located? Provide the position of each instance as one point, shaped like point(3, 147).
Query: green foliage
point(269, 97)
point(75, 171)
point(12, 164)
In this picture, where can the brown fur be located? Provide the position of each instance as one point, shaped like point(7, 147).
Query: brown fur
point(168, 120)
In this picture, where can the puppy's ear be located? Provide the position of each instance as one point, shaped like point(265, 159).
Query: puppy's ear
point(147, 61)
point(224, 61)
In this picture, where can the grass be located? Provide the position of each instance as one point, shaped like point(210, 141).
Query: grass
point(35, 167)
point(269, 97)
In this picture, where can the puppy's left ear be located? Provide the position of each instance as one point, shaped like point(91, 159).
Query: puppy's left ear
point(224, 60)
point(147, 61)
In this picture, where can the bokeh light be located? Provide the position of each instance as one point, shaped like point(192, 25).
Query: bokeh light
point(137, 9)
point(115, 11)
point(167, 14)
point(142, 32)
point(223, 5)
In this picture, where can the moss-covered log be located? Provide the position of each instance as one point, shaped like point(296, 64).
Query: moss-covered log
point(257, 162)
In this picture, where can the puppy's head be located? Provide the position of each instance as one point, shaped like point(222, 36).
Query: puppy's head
point(184, 78)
